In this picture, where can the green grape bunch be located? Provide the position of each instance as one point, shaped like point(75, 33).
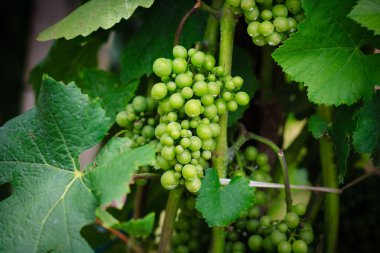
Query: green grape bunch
point(192, 95)
point(139, 120)
point(269, 22)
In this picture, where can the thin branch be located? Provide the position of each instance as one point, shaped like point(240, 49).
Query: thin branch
point(355, 181)
point(144, 176)
point(284, 166)
point(183, 21)
point(119, 234)
point(206, 8)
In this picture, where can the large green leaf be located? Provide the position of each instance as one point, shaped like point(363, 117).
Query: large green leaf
point(154, 38)
point(367, 13)
point(366, 136)
point(138, 227)
point(91, 16)
point(39, 156)
point(325, 55)
point(105, 86)
point(317, 126)
point(52, 197)
point(67, 58)
point(221, 205)
point(242, 65)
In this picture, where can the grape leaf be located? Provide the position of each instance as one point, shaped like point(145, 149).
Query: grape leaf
point(138, 227)
point(154, 38)
point(367, 13)
point(124, 161)
point(91, 16)
point(341, 132)
point(317, 126)
point(325, 55)
point(221, 205)
point(52, 198)
point(366, 137)
point(67, 58)
point(112, 95)
point(242, 66)
point(39, 156)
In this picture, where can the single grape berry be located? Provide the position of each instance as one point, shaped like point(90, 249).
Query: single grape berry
point(242, 98)
point(281, 24)
point(176, 101)
point(247, 5)
point(255, 243)
point(279, 10)
point(198, 59)
point(299, 246)
point(259, 40)
point(273, 39)
point(209, 62)
point(179, 52)
point(184, 80)
point(189, 172)
point(292, 220)
point(292, 25)
point(204, 132)
point(179, 65)
point(159, 91)
point(162, 67)
point(168, 180)
point(266, 15)
point(122, 119)
point(284, 247)
point(266, 28)
point(294, 6)
point(193, 185)
point(251, 153)
point(276, 237)
point(193, 108)
point(299, 209)
point(234, 3)
point(252, 15)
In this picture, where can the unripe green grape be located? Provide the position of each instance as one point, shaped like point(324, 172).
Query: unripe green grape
point(172, 116)
point(234, 3)
point(265, 221)
point(179, 65)
point(227, 96)
point(159, 91)
point(254, 212)
point(282, 227)
point(199, 170)
point(209, 62)
point(230, 85)
point(292, 220)
point(299, 17)
point(213, 89)
point(139, 104)
point(253, 29)
point(259, 40)
point(221, 106)
point(284, 247)
point(200, 88)
point(160, 130)
point(184, 157)
point(194, 123)
point(261, 197)
point(167, 78)
point(255, 243)
point(265, 167)
point(176, 101)
point(168, 153)
point(262, 159)
point(232, 106)
point(165, 106)
point(306, 235)
point(299, 209)
point(273, 39)
point(266, 28)
point(242, 98)
point(205, 121)
point(276, 237)
point(199, 77)
point(151, 104)
point(209, 144)
point(280, 10)
point(162, 67)
point(162, 163)
point(215, 129)
point(252, 225)
point(168, 180)
point(183, 80)
point(121, 119)
point(185, 142)
point(268, 245)
point(137, 124)
point(194, 161)
point(151, 122)
point(204, 132)
point(252, 15)
point(247, 5)
point(233, 236)
point(191, 51)
point(189, 172)
point(211, 77)
point(193, 185)
point(198, 59)
point(281, 24)
point(219, 71)
point(260, 176)
point(238, 81)
point(179, 52)
point(207, 100)
point(299, 246)
point(173, 126)
point(193, 108)
point(251, 153)
point(187, 93)
point(294, 6)
point(238, 247)
point(196, 143)
point(196, 154)
point(175, 134)
point(185, 124)
point(215, 119)
point(210, 111)
point(292, 25)
point(148, 132)
point(177, 175)
point(266, 15)
point(178, 167)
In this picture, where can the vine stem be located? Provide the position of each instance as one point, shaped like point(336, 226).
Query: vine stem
point(170, 216)
point(220, 158)
point(330, 179)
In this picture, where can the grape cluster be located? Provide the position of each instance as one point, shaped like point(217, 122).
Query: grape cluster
point(259, 233)
point(269, 22)
point(139, 120)
point(192, 94)
point(191, 233)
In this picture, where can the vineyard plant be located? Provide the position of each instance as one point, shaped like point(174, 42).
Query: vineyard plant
point(217, 126)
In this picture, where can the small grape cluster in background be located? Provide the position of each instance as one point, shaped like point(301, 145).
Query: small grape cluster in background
point(139, 120)
point(192, 94)
point(269, 21)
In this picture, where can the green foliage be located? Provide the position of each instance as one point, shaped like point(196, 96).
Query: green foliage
point(91, 16)
point(106, 87)
point(154, 38)
point(367, 13)
point(317, 126)
point(221, 205)
point(116, 165)
point(333, 68)
point(39, 158)
point(242, 66)
point(366, 137)
point(67, 58)
point(39, 153)
point(138, 227)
